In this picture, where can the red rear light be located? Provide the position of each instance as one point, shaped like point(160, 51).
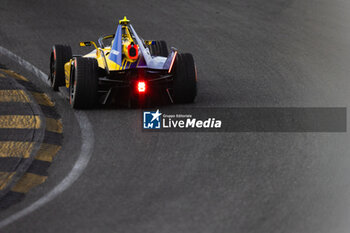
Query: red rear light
point(141, 87)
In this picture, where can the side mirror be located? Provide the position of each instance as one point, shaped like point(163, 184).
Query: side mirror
point(87, 43)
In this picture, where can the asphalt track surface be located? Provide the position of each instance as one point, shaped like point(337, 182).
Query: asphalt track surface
point(249, 53)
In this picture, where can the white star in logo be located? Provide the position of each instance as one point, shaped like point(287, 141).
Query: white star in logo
point(156, 115)
point(115, 52)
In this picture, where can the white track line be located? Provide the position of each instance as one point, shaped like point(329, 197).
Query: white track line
point(86, 149)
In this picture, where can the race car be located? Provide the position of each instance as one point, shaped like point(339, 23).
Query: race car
point(128, 68)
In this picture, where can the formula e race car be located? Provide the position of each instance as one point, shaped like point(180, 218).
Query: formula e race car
point(128, 68)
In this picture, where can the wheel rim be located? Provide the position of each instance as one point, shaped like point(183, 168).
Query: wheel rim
point(72, 89)
point(53, 70)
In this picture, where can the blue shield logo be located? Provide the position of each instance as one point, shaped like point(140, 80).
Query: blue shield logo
point(151, 120)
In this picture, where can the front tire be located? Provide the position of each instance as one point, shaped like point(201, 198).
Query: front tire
point(60, 55)
point(185, 80)
point(84, 83)
point(159, 48)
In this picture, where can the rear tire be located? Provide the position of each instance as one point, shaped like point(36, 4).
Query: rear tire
point(60, 55)
point(159, 48)
point(84, 83)
point(185, 80)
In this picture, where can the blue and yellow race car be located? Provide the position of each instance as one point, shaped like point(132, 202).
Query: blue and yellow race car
point(128, 68)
